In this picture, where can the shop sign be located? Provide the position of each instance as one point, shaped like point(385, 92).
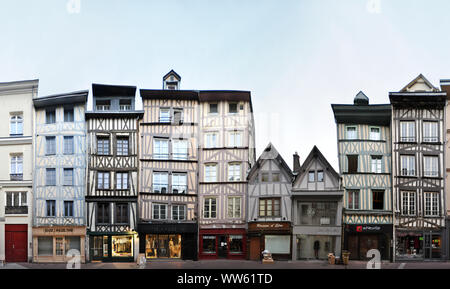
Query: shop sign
point(269, 226)
point(367, 228)
point(58, 230)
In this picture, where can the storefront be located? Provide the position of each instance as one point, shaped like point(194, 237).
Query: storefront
point(168, 241)
point(418, 245)
point(359, 239)
point(222, 244)
point(272, 236)
point(51, 244)
point(114, 247)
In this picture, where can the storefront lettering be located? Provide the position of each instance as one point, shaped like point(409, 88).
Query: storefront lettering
point(58, 230)
point(276, 225)
point(367, 228)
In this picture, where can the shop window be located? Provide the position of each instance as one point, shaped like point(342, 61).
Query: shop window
point(163, 246)
point(378, 200)
point(352, 161)
point(317, 213)
point(122, 246)
point(59, 243)
point(278, 244)
point(45, 246)
point(269, 207)
point(236, 243)
point(314, 247)
point(72, 243)
point(209, 244)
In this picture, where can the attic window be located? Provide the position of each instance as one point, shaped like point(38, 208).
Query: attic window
point(233, 108)
point(125, 104)
point(103, 104)
point(320, 176)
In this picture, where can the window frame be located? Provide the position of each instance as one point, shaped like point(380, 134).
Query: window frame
point(16, 121)
point(208, 176)
point(347, 134)
point(273, 207)
point(236, 206)
point(208, 211)
point(351, 203)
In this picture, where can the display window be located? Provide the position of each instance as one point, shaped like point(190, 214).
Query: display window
point(163, 246)
point(122, 246)
point(235, 244)
point(209, 244)
point(315, 247)
point(278, 244)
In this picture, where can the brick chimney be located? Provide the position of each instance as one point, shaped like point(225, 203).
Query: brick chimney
point(296, 163)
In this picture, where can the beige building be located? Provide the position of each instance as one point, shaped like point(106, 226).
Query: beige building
point(16, 154)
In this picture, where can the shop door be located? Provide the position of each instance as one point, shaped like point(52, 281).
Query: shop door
point(223, 246)
point(367, 243)
point(255, 249)
point(432, 246)
point(16, 243)
point(353, 247)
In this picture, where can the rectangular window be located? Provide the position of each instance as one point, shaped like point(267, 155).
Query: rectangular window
point(179, 183)
point(232, 108)
point(50, 178)
point(211, 173)
point(269, 207)
point(264, 177)
point(103, 105)
point(122, 181)
point(375, 133)
point(125, 104)
point(430, 131)
point(213, 108)
point(211, 140)
point(50, 116)
point(121, 213)
point(16, 199)
point(320, 176)
point(68, 115)
point(45, 246)
point(68, 145)
point(407, 131)
point(311, 176)
point(68, 177)
point(234, 207)
point(50, 145)
point(352, 161)
point(160, 183)
point(235, 139)
point(68, 208)
point(103, 145)
point(408, 203)
point(275, 177)
point(17, 165)
point(377, 200)
point(122, 146)
point(51, 208)
point(209, 244)
point(431, 168)
point(16, 125)
point(351, 133)
point(408, 165)
point(159, 211)
point(164, 115)
point(234, 172)
point(376, 164)
point(178, 212)
point(103, 180)
point(353, 200)
point(177, 115)
point(161, 149)
point(209, 208)
point(431, 204)
point(103, 215)
point(317, 213)
point(180, 149)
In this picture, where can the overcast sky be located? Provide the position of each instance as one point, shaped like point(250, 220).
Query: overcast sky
point(296, 57)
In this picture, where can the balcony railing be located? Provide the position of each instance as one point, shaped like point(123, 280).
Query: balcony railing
point(406, 172)
point(408, 139)
point(431, 173)
point(16, 210)
point(431, 139)
point(179, 189)
point(16, 177)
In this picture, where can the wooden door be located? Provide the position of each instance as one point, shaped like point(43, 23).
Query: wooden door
point(353, 242)
point(16, 240)
point(255, 249)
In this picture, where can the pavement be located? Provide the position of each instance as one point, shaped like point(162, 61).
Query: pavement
point(233, 265)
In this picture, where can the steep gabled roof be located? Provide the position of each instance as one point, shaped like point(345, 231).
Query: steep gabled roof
point(417, 81)
point(170, 73)
point(270, 153)
point(316, 153)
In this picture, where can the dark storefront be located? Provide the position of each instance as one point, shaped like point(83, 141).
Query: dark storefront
point(168, 241)
point(273, 236)
point(112, 247)
point(222, 244)
point(418, 245)
point(359, 239)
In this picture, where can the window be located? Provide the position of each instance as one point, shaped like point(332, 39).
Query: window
point(179, 183)
point(125, 104)
point(209, 208)
point(378, 200)
point(68, 177)
point(177, 115)
point(103, 180)
point(408, 203)
point(320, 176)
point(236, 244)
point(50, 116)
point(103, 145)
point(160, 149)
point(209, 244)
point(351, 132)
point(213, 108)
point(68, 208)
point(275, 177)
point(234, 172)
point(431, 204)
point(68, 115)
point(159, 211)
point(16, 167)
point(122, 181)
point(430, 166)
point(16, 199)
point(234, 207)
point(235, 139)
point(211, 140)
point(375, 133)
point(160, 183)
point(50, 145)
point(121, 213)
point(50, 177)
point(264, 177)
point(211, 173)
point(376, 164)
point(178, 212)
point(103, 215)
point(311, 176)
point(103, 105)
point(269, 207)
point(164, 115)
point(51, 208)
point(317, 213)
point(408, 165)
point(68, 145)
point(407, 131)
point(122, 146)
point(232, 108)
point(180, 150)
point(430, 131)
point(353, 200)
point(45, 246)
point(352, 164)
point(16, 125)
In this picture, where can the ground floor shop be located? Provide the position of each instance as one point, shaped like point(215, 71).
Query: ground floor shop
point(272, 236)
point(222, 243)
point(315, 242)
point(52, 244)
point(112, 247)
point(168, 241)
point(419, 245)
point(359, 239)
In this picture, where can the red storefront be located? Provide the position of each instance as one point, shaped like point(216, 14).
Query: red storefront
point(222, 244)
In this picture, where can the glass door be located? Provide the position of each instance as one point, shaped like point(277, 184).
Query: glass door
point(223, 246)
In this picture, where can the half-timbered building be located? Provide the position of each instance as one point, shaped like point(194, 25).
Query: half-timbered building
point(445, 86)
point(269, 206)
point(112, 180)
point(227, 153)
point(364, 152)
point(59, 181)
point(168, 187)
point(418, 134)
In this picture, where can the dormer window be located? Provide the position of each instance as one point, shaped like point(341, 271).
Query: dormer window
point(125, 104)
point(103, 105)
point(171, 81)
